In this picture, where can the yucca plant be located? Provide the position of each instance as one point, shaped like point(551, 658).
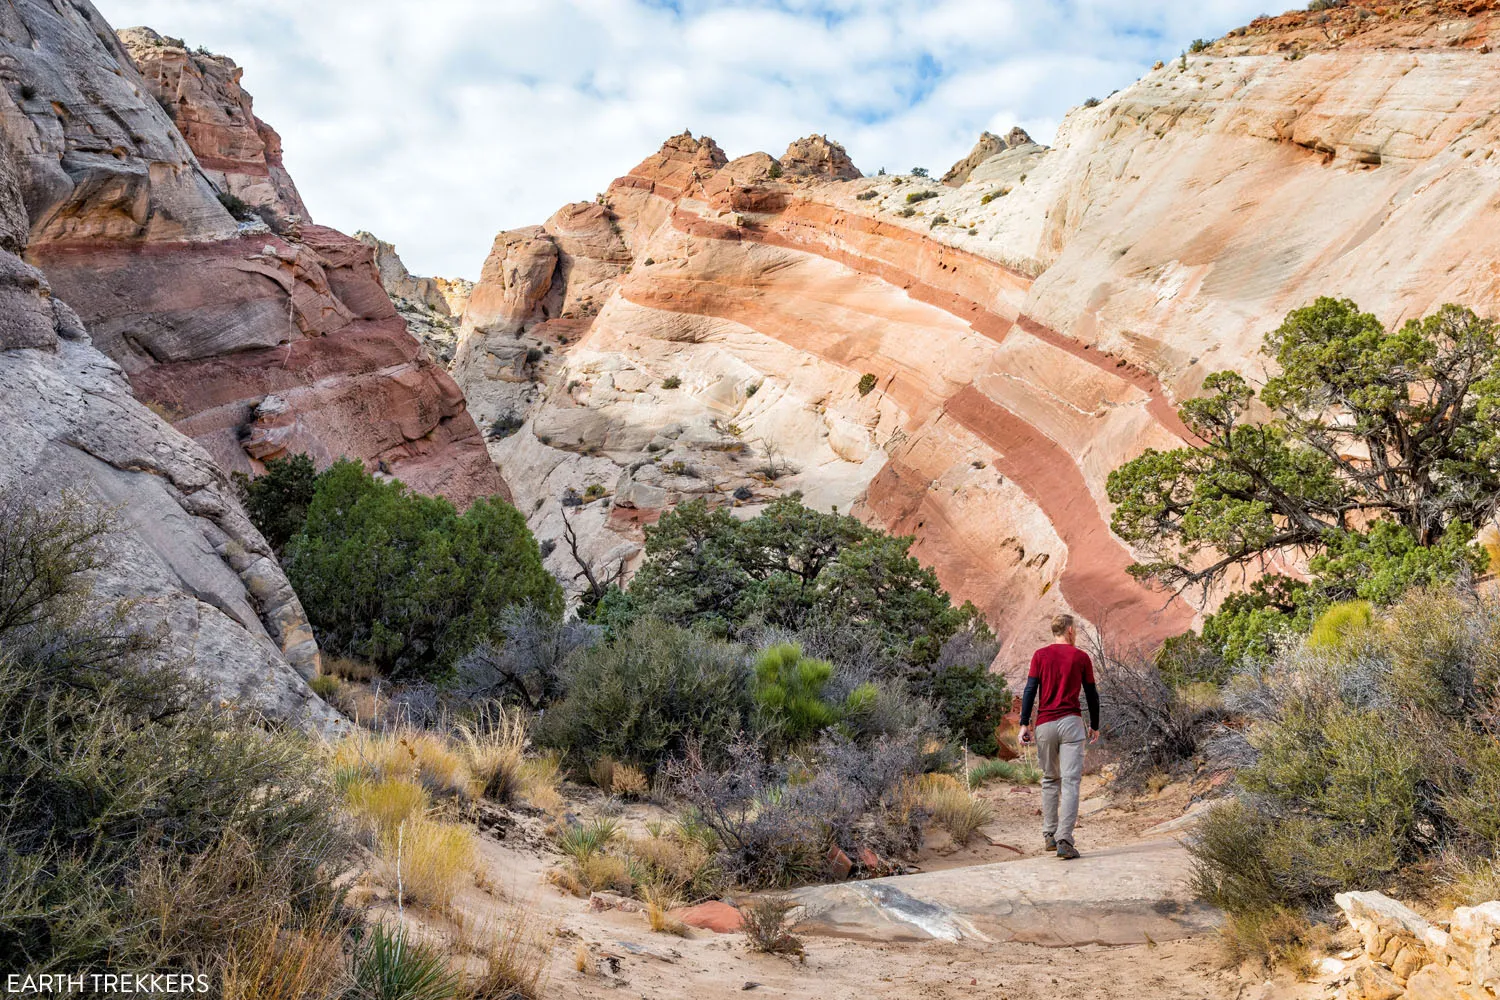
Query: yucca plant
point(389, 965)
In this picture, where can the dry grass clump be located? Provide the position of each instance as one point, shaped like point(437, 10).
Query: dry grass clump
point(431, 859)
point(494, 749)
point(630, 782)
point(275, 961)
point(614, 778)
point(660, 902)
point(539, 780)
point(438, 765)
point(1276, 938)
point(517, 959)
point(954, 807)
point(1016, 772)
point(381, 805)
point(348, 669)
point(766, 927)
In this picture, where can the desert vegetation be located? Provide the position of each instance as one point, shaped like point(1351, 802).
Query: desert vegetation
point(1358, 704)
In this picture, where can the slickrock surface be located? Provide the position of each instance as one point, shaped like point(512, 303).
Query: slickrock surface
point(183, 549)
point(201, 93)
point(254, 343)
point(1121, 896)
point(1029, 329)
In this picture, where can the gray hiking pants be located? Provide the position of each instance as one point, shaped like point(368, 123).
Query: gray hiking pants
point(1059, 747)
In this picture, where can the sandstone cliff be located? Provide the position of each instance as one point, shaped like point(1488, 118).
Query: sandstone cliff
point(253, 342)
point(1028, 329)
point(183, 549)
point(201, 93)
point(431, 307)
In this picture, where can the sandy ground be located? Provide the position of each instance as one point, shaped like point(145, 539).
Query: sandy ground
point(612, 953)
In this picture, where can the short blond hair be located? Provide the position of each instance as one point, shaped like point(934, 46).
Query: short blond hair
point(1061, 624)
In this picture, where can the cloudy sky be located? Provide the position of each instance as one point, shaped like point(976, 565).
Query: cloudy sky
point(437, 123)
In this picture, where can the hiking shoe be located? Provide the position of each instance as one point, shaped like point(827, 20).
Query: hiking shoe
point(1066, 850)
point(1049, 842)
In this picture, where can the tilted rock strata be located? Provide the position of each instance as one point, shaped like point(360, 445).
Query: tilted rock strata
point(1028, 330)
point(183, 550)
point(201, 93)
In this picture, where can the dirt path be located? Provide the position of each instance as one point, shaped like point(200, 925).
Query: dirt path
point(613, 953)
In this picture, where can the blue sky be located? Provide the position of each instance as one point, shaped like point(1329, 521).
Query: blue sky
point(437, 124)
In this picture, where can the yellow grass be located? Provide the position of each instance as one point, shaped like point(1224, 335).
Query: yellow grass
point(659, 903)
point(439, 766)
point(271, 962)
point(493, 752)
point(517, 958)
point(629, 782)
point(540, 778)
point(434, 860)
point(954, 808)
point(381, 805)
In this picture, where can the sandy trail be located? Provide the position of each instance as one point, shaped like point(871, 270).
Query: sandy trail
point(623, 958)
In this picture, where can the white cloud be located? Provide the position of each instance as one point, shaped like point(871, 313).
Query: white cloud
point(437, 124)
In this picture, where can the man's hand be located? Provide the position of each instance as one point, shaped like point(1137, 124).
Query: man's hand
point(1025, 735)
point(1093, 736)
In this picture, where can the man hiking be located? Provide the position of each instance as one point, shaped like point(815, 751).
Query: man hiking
point(1057, 673)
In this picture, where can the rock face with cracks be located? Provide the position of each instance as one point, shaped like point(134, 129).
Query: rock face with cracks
point(182, 549)
point(1406, 956)
point(1028, 330)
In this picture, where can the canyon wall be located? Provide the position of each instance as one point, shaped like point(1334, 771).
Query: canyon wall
point(258, 336)
point(182, 550)
point(1029, 324)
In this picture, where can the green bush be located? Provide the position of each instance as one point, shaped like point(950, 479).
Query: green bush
point(867, 383)
point(916, 196)
point(788, 567)
point(671, 382)
point(645, 696)
point(1339, 623)
point(391, 965)
point(973, 701)
point(236, 206)
point(277, 500)
point(792, 695)
point(403, 580)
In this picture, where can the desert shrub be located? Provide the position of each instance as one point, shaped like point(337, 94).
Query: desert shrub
point(277, 500)
point(516, 961)
point(1371, 755)
point(115, 782)
point(867, 195)
point(389, 964)
point(405, 581)
point(766, 927)
point(774, 821)
point(972, 701)
point(1152, 726)
point(325, 686)
point(938, 220)
point(1199, 45)
point(525, 664)
point(791, 696)
point(919, 171)
point(907, 212)
point(645, 696)
point(593, 491)
point(774, 170)
point(1339, 622)
point(867, 383)
point(236, 206)
point(671, 382)
point(1092, 102)
point(504, 425)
